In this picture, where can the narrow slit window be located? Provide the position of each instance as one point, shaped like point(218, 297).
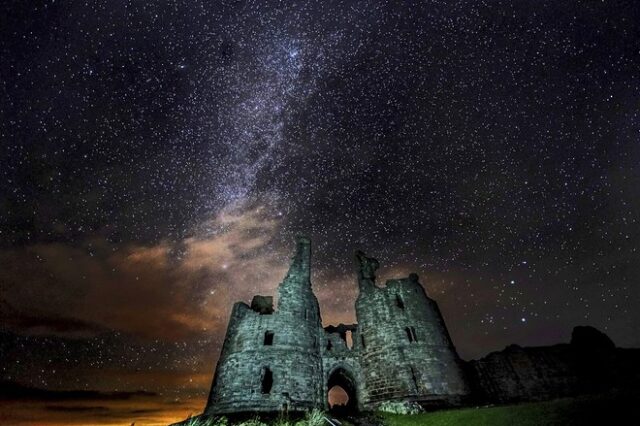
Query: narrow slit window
point(268, 338)
point(411, 334)
point(362, 340)
point(415, 379)
point(399, 302)
point(267, 380)
point(329, 345)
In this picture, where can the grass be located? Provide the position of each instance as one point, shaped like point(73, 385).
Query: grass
point(313, 418)
point(611, 409)
point(601, 410)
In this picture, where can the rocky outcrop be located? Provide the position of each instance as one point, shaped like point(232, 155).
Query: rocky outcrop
point(590, 363)
point(407, 354)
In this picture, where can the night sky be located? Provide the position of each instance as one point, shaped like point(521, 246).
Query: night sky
point(157, 161)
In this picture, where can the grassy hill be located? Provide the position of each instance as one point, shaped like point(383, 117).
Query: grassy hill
point(601, 410)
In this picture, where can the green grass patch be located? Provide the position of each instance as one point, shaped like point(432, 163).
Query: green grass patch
point(312, 418)
point(600, 410)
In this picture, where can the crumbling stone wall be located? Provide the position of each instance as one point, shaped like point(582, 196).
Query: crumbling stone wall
point(407, 354)
point(282, 359)
point(270, 359)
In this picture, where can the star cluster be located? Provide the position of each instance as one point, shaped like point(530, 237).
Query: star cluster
point(157, 160)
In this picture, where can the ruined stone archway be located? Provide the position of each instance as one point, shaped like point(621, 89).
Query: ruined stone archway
point(344, 379)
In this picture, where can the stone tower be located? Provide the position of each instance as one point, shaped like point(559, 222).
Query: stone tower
point(405, 350)
point(284, 360)
point(270, 361)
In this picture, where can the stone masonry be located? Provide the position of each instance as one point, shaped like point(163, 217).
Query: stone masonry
point(282, 359)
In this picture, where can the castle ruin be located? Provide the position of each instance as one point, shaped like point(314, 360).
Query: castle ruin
point(285, 360)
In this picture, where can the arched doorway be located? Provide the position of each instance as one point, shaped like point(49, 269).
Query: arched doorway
point(342, 395)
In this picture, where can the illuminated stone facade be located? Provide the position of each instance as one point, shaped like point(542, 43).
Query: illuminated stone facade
point(284, 360)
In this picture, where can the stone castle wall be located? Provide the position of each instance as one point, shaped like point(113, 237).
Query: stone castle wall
point(408, 354)
point(271, 360)
point(275, 360)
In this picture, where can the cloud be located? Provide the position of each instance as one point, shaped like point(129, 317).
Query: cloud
point(41, 323)
point(77, 408)
point(12, 391)
point(167, 290)
point(124, 308)
point(28, 405)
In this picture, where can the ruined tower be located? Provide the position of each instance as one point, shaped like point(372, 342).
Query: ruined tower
point(405, 349)
point(270, 359)
point(284, 360)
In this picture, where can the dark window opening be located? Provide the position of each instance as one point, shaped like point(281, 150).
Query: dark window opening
point(329, 345)
point(411, 334)
point(362, 340)
point(267, 380)
point(268, 338)
point(399, 302)
point(415, 379)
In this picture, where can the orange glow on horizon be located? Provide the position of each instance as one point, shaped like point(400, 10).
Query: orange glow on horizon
point(142, 412)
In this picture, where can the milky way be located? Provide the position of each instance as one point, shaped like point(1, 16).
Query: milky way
point(157, 161)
